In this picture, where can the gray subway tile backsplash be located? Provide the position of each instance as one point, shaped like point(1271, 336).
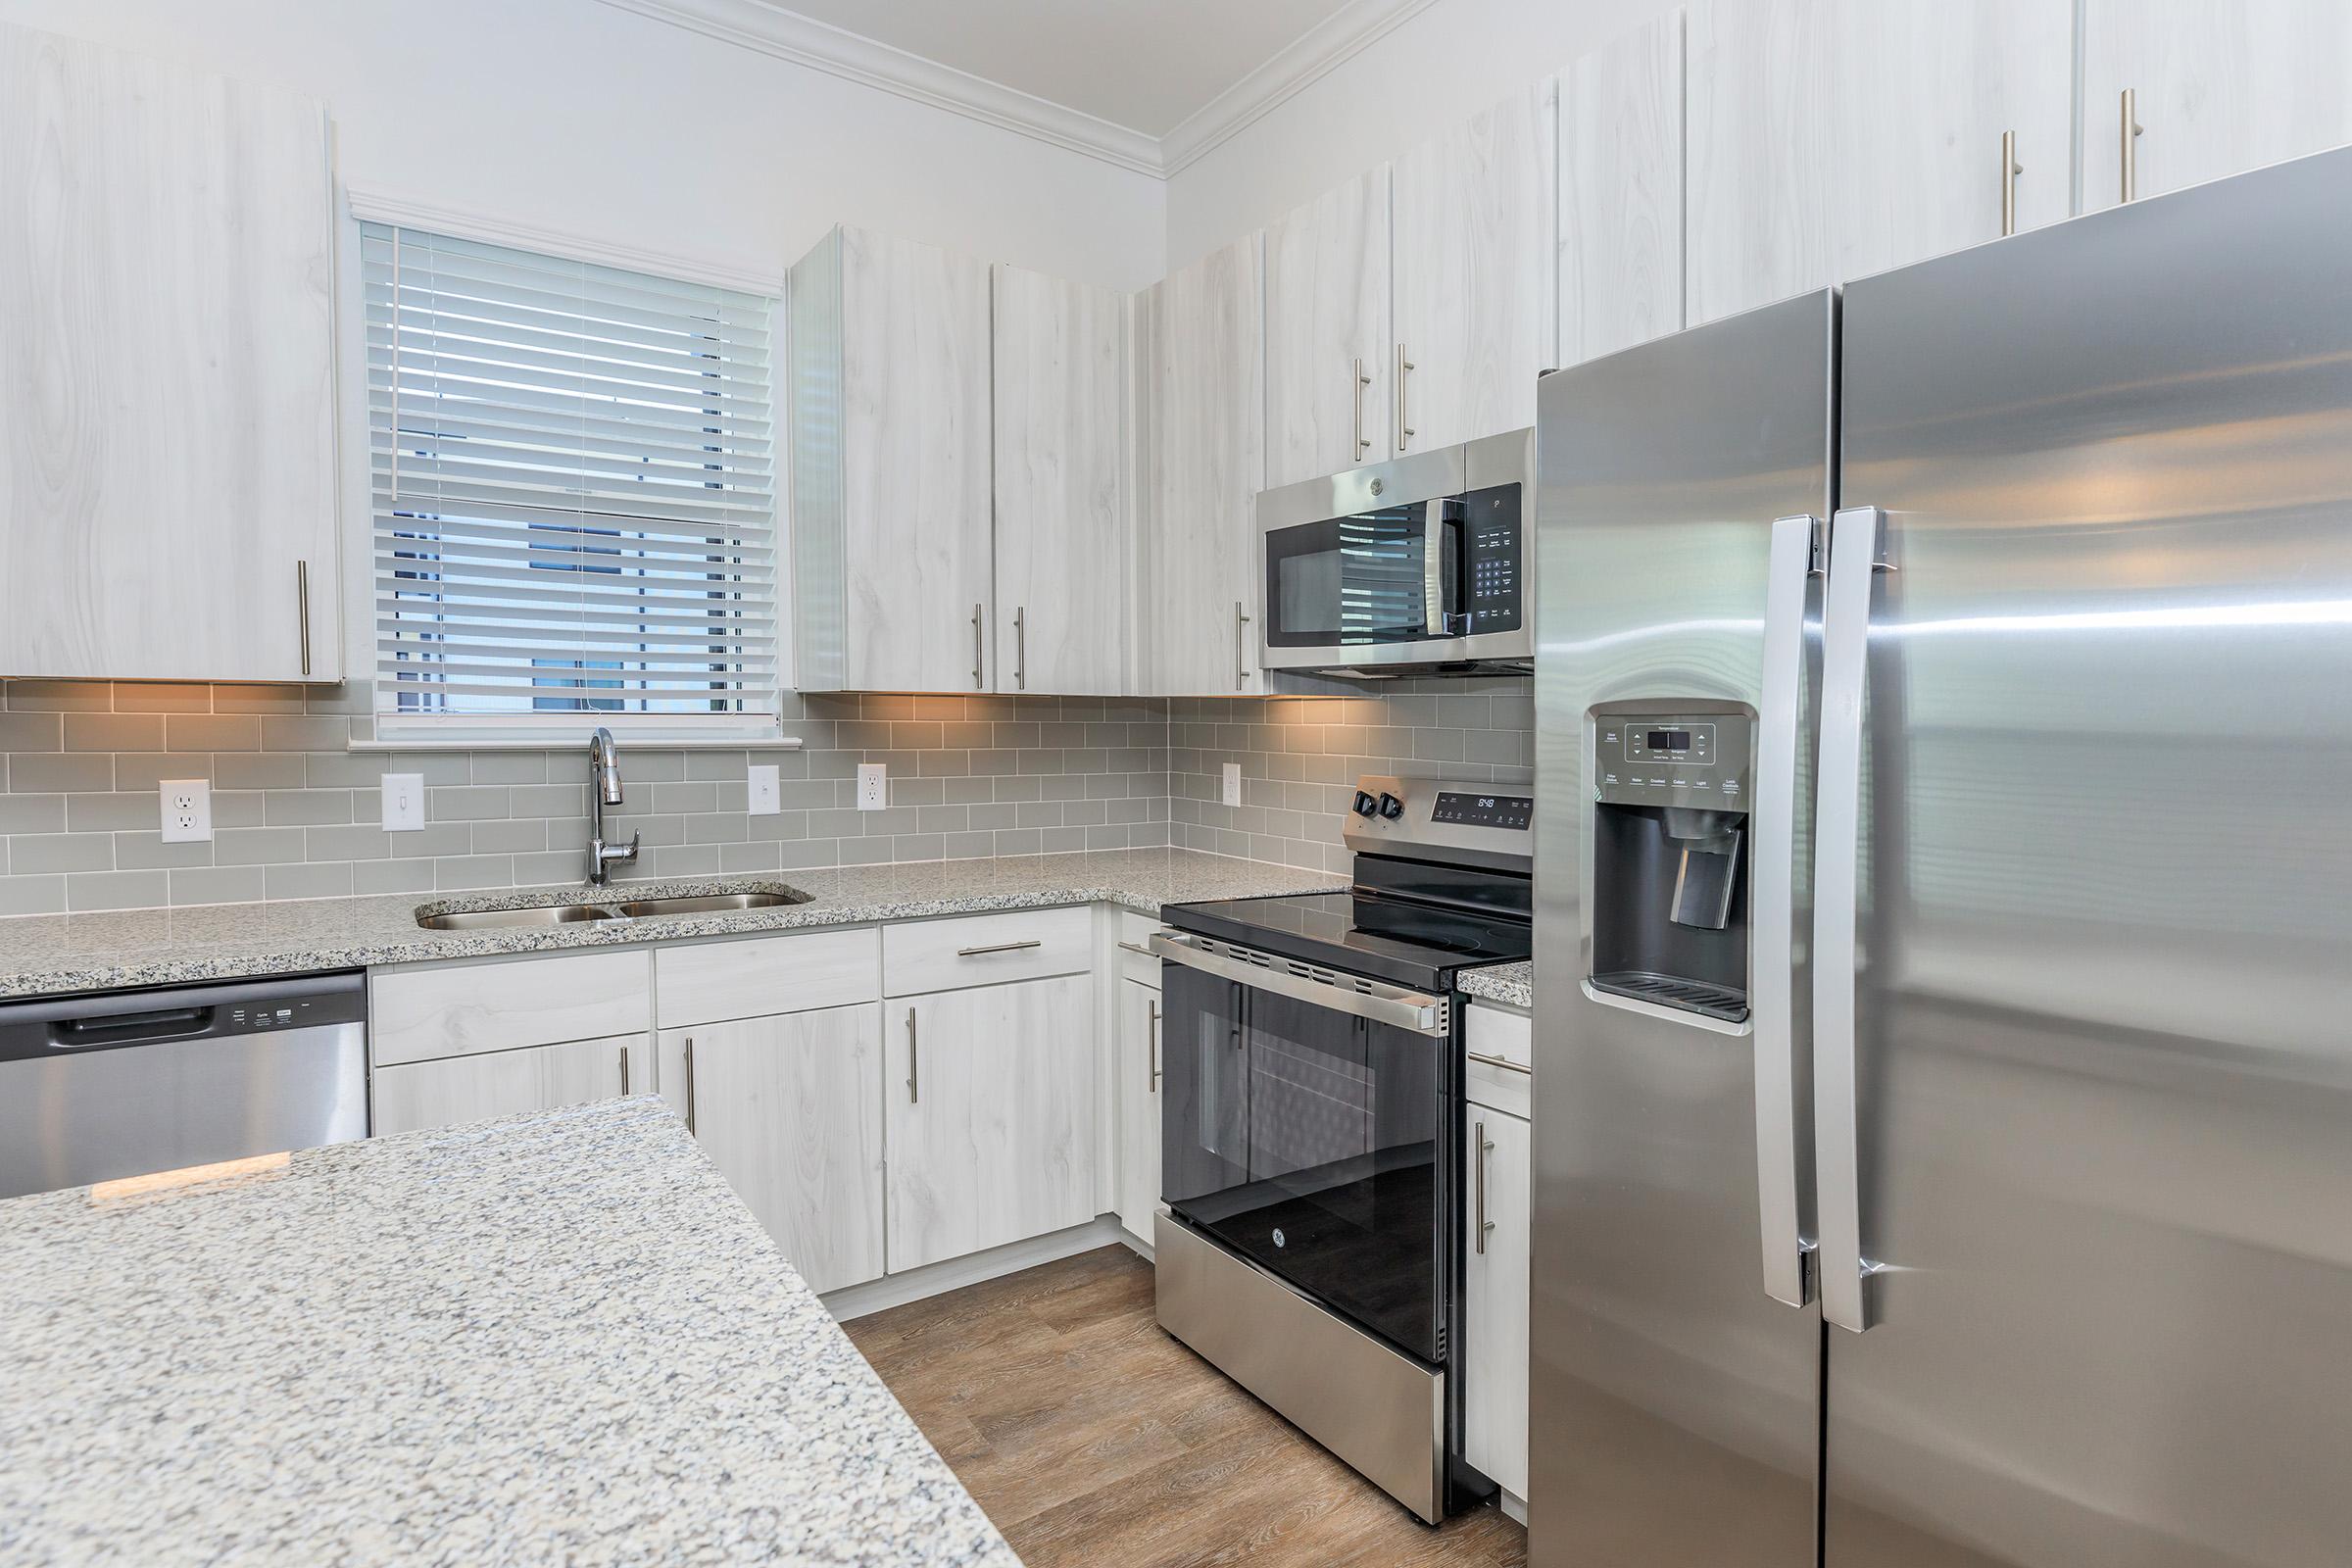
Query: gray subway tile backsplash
point(296, 812)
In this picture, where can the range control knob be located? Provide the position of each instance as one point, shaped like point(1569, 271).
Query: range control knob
point(1391, 807)
point(1365, 805)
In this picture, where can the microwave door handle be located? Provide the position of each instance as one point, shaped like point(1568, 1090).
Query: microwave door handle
point(1433, 568)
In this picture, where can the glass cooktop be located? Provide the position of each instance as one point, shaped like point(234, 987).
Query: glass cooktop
point(1387, 939)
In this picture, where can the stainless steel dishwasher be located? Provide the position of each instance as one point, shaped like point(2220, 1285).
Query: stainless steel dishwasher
point(134, 1082)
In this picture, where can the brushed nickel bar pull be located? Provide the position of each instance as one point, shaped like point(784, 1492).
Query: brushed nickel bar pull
point(1155, 1084)
point(2010, 169)
point(978, 659)
point(1020, 647)
point(915, 1064)
point(1241, 644)
point(1001, 947)
point(1363, 442)
point(689, 1085)
point(1137, 946)
point(1504, 1062)
point(302, 608)
point(624, 1072)
point(1404, 432)
point(2130, 130)
point(1484, 1148)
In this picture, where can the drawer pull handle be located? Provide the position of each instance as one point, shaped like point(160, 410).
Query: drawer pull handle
point(915, 1064)
point(1136, 947)
point(624, 1072)
point(999, 947)
point(1504, 1062)
point(690, 1086)
point(1485, 1146)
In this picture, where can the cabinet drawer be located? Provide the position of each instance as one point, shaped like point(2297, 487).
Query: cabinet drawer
point(760, 977)
point(1501, 1037)
point(1135, 962)
point(428, 1011)
point(985, 949)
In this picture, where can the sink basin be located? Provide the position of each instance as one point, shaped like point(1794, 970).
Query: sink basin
point(534, 914)
point(710, 902)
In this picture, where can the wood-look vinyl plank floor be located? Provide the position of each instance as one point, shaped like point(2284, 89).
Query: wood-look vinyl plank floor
point(1091, 1437)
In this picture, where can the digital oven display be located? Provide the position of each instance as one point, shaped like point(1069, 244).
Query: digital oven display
point(1485, 811)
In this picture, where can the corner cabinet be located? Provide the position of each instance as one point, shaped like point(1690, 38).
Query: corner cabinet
point(892, 447)
point(1200, 460)
point(168, 474)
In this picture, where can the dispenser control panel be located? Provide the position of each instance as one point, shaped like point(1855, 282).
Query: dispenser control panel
point(1672, 760)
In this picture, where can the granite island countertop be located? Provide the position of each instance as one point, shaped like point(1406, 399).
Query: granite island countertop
point(57, 953)
point(553, 1337)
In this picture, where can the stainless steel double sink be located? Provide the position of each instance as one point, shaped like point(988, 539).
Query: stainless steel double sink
point(537, 914)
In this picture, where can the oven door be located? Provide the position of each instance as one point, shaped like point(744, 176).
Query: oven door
point(1308, 1129)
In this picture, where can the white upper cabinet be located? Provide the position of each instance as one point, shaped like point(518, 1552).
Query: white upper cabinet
point(1328, 356)
point(1621, 192)
point(1200, 391)
point(2220, 86)
point(168, 478)
point(1922, 95)
point(1473, 250)
point(1060, 463)
point(891, 467)
point(1758, 145)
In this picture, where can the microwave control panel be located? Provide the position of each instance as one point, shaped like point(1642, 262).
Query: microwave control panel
point(1493, 574)
point(1696, 759)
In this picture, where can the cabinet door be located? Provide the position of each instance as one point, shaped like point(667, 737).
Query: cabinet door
point(1327, 332)
point(1196, 583)
point(2223, 86)
point(1059, 473)
point(168, 483)
point(1922, 91)
point(1136, 1097)
point(506, 1082)
point(915, 469)
point(790, 1110)
point(1621, 192)
point(1496, 1302)
point(1758, 145)
point(1475, 246)
point(991, 1096)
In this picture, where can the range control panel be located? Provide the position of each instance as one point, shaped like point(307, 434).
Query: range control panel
point(1669, 759)
point(1429, 819)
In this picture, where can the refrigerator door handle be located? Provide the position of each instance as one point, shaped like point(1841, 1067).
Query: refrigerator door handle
point(1783, 1121)
point(1854, 562)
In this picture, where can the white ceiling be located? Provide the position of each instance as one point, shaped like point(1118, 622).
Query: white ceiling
point(1142, 63)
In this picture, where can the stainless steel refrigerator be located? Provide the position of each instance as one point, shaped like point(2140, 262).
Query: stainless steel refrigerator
point(1943, 1091)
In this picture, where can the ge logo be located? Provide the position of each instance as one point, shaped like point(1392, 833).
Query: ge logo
point(1278, 1241)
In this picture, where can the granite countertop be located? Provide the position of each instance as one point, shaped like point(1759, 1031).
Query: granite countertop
point(553, 1337)
point(1514, 983)
point(53, 954)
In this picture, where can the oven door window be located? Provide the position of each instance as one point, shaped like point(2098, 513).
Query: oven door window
point(1366, 578)
point(1309, 1141)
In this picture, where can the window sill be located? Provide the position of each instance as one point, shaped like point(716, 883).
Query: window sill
point(571, 731)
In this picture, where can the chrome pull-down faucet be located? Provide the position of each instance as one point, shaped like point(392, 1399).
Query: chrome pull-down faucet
point(603, 789)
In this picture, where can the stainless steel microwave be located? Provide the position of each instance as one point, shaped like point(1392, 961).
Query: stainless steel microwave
point(1418, 565)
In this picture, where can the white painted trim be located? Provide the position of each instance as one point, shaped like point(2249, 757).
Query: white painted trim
point(936, 1279)
point(1514, 1507)
point(1313, 54)
point(371, 205)
point(806, 41)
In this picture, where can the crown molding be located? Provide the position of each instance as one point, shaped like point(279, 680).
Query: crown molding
point(785, 34)
point(806, 41)
point(1306, 60)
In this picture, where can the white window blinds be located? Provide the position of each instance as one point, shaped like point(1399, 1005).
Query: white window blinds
point(574, 487)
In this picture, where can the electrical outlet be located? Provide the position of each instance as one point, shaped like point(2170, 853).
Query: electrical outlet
point(187, 810)
point(766, 793)
point(403, 803)
point(1232, 783)
point(873, 786)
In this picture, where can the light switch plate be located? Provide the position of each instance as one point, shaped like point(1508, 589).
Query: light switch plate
point(403, 803)
point(187, 806)
point(1232, 783)
point(873, 786)
point(766, 793)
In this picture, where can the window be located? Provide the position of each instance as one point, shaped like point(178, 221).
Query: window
point(573, 490)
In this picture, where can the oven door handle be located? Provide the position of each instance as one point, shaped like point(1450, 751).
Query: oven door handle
point(1386, 1005)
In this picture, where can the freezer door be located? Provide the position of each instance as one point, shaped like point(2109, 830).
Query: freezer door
point(2101, 1072)
point(1674, 1399)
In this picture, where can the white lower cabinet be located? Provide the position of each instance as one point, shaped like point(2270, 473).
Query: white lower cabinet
point(1495, 1300)
point(506, 1082)
point(990, 1122)
point(1134, 1055)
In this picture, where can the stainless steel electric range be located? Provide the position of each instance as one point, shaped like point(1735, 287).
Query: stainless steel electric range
point(1311, 1129)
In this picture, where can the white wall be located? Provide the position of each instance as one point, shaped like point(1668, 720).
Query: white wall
point(579, 117)
point(1425, 76)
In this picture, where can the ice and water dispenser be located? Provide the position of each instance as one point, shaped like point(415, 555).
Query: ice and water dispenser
point(1669, 859)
